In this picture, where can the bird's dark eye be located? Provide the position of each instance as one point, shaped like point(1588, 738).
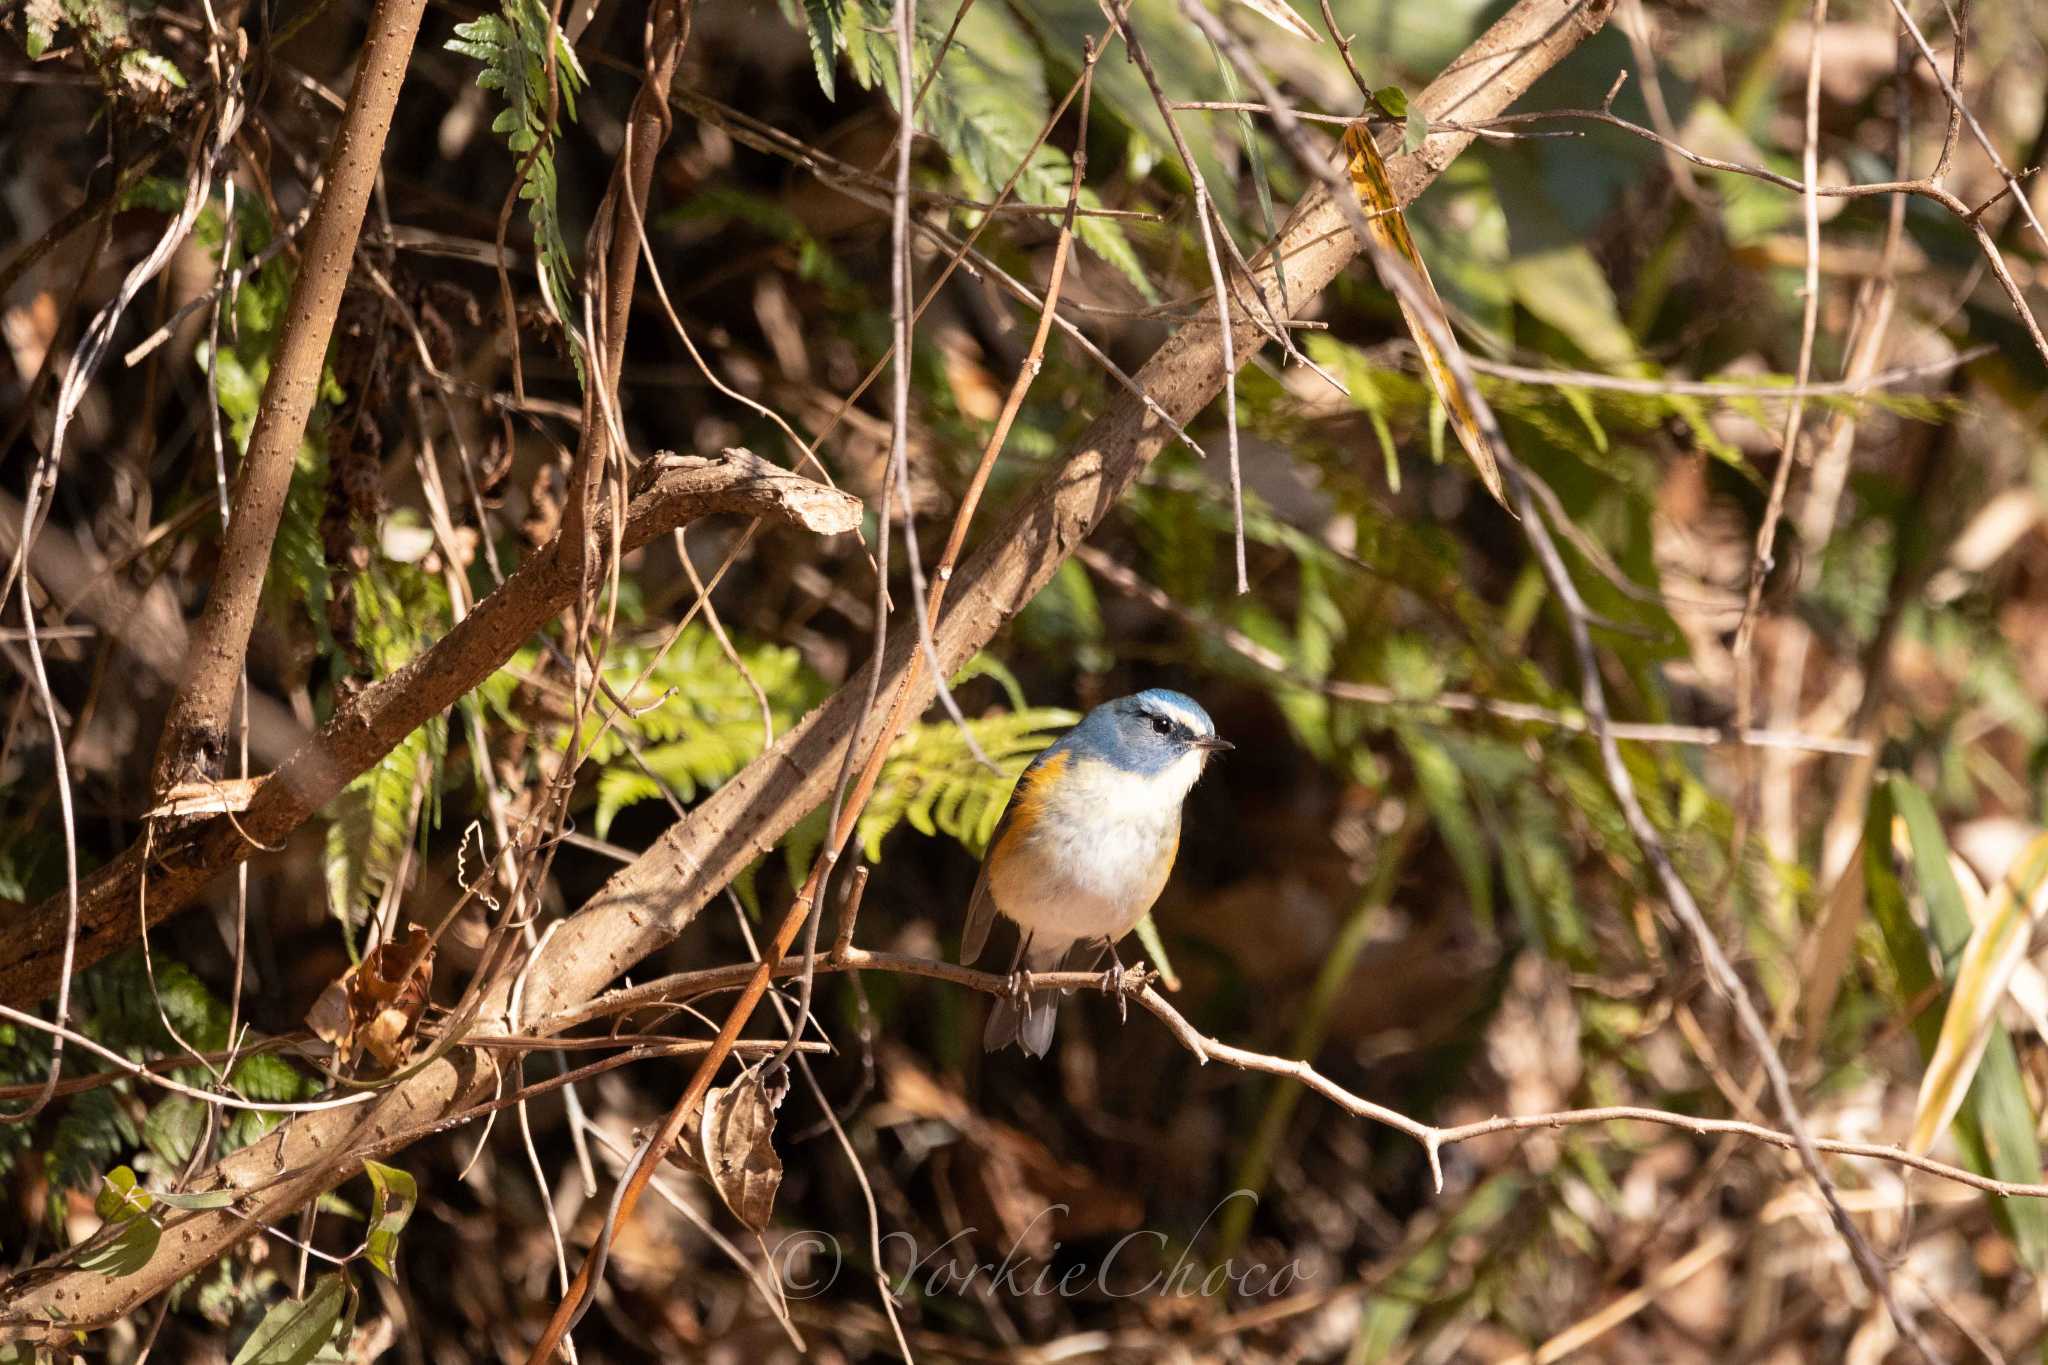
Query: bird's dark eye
point(1161, 725)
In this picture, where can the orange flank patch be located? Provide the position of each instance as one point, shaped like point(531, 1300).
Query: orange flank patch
point(1027, 802)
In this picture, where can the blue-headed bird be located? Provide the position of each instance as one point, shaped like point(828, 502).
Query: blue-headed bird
point(1085, 845)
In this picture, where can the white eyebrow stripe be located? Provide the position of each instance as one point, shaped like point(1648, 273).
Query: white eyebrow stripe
point(1182, 714)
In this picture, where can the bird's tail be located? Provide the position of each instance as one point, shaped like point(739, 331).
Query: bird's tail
point(1027, 1021)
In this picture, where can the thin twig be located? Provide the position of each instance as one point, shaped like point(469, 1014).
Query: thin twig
point(1120, 12)
point(665, 992)
point(2013, 187)
point(1526, 713)
point(1676, 894)
point(1763, 557)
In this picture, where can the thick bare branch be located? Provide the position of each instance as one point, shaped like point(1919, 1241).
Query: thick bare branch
point(195, 733)
point(649, 902)
point(376, 719)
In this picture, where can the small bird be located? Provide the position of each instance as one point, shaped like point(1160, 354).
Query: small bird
point(1085, 845)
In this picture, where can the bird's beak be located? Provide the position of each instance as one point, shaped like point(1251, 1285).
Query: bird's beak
point(1214, 745)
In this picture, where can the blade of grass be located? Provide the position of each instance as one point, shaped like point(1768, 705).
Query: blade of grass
point(1995, 1127)
point(1997, 947)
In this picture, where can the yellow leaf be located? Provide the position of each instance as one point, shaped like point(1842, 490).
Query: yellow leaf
point(1996, 950)
point(1390, 233)
point(1279, 13)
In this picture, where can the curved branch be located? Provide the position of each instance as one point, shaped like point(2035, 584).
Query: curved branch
point(371, 723)
point(652, 900)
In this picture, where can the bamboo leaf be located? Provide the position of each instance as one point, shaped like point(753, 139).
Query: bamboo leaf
point(1997, 947)
point(1278, 12)
point(1148, 935)
point(1995, 1126)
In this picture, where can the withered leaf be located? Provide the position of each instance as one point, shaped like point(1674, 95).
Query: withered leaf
point(375, 1006)
point(1390, 234)
point(329, 1016)
point(735, 1143)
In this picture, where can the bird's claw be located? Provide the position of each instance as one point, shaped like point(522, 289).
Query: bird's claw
point(1124, 982)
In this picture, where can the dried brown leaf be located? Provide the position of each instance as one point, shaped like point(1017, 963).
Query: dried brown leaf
point(736, 1144)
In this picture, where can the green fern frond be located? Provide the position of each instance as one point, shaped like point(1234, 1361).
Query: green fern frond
point(934, 782)
point(240, 368)
point(987, 665)
point(513, 47)
point(117, 1006)
point(94, 1132)
point(825, 24)
point(399, 609)
point(697, 721)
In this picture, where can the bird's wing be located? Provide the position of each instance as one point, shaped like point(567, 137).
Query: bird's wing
point(1025, 801)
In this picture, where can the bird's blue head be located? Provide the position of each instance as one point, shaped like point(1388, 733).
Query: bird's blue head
point(1147, 732)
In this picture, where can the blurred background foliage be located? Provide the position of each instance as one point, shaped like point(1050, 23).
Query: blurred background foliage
point(1411, 870)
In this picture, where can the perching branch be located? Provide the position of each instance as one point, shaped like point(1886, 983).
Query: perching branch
point(90, 1298)
point(649, 902)
point(667, 991)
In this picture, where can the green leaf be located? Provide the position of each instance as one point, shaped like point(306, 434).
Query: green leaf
point(1443, 791)
point(1392, 100)
point(88, 1137)
point(128, 1251)
point(1414, 132)
point(513, 47)
point(702, 721)
point(1417, 1282)
point(172, 1128)
point(986, 111)
point(198, 1199)
point(394, 1194)
point(120, 1198)
point(825, 22)
point(1995, 1127)
point(294, 1331)
point(1148, 935)
point(42, 18)
point(399, 611)
point(149, 73)
point(987, 665)
point(1997, 947)
point(934, 782)
point(124, 1205)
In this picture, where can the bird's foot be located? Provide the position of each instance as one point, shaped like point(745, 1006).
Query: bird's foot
point(1124, 982)
point(1018, 989)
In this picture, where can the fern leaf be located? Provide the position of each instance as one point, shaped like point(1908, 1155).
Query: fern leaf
point(825, 21)
point(697, 719)
point(513, 48)
point(399, 609)
point(934, 782)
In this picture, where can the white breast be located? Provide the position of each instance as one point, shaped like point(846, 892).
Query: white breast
point(1096, 857)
